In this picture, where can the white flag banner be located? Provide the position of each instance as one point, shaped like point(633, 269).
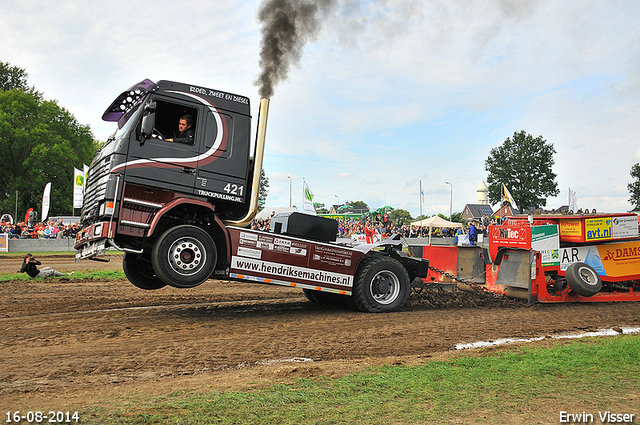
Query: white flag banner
point(46, 201)
point(85, 169)
point(573, 201)
point(307, 202)
point(507, 195)
point(78, 187)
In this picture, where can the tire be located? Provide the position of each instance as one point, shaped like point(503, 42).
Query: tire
point(583, 279)
point(184, 256)
point(140, 273)
point(382, 285)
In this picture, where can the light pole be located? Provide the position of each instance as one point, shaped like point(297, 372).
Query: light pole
point(450, 198)
point(338, 199)
point(289, 177)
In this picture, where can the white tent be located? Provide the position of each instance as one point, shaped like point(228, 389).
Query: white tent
point(435, 221)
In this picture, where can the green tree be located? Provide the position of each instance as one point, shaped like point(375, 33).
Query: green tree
point(457, 218)
point(524, 164)
point(41, 143)
point(400, 215)
point(12, 77)
point(634, 187)
point(358, 205)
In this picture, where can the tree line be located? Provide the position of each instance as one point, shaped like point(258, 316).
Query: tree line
point(40, 142)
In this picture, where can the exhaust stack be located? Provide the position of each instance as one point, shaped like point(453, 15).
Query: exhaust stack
point(257, 165)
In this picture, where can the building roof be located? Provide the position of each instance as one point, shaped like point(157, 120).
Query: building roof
point(477, 210)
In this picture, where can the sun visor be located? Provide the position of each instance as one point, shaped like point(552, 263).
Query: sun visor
point(128, 100)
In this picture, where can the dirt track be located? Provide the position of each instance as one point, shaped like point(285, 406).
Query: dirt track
point(67, 343)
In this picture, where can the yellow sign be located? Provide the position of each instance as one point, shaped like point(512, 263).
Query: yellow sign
point(571, 230)
point(598, 229)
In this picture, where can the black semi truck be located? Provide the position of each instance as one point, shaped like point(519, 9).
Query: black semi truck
point(179, 211)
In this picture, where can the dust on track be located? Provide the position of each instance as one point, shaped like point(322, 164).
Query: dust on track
point(70, 342)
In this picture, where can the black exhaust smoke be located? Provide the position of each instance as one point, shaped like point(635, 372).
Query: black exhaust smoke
point(287, 25)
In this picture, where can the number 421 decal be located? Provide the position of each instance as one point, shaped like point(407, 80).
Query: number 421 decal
point(233, 189)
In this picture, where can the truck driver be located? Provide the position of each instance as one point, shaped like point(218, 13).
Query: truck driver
point(186, 133)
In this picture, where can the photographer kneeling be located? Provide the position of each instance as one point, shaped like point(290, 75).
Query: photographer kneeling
point(29, 267)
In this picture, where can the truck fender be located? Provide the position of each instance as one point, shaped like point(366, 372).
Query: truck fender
point(416, 267)
point(196, 202)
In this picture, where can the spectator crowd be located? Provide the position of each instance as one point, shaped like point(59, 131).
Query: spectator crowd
point(379, 228)
point(45, 230)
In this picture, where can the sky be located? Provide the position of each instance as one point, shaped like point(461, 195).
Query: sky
point(387, 95)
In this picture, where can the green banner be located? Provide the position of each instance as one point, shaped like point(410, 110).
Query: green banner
point(546, 240)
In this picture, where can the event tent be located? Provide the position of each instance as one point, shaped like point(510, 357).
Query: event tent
point(435, 221)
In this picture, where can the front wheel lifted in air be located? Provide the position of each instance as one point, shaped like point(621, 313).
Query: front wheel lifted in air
point(184, 256)
point(382, 284)
point(140, 272)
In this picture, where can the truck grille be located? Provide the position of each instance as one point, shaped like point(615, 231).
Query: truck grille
point(95, 189)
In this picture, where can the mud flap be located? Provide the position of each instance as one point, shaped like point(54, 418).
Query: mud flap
point(515, 273)
point(471, 265)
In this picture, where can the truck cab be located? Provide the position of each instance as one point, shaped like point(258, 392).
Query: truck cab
point(142, 182)
point(216, 166)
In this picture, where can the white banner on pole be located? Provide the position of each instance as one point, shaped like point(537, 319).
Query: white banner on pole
point(46, 201)
point(85, 168)
point(573, 201)
point(78, 186)
point(307, 202)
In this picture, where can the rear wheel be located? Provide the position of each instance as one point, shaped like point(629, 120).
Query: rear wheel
point(184, 256)
point(382, 285)
point(583, 279)
point(140, 272)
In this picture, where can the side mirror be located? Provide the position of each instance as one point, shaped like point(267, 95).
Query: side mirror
point(150, 107)
point(146, 129)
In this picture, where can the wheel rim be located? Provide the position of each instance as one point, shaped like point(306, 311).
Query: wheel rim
point(385, 287)
point(187, 256)
point(588, 276)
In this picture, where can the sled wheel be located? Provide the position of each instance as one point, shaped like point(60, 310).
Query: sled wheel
point(140, 272)
point(583, 279)
point(184, 256)
point(382, 285)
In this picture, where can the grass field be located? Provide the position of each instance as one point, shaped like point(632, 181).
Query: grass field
point(96, 275)
point(525, 384)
